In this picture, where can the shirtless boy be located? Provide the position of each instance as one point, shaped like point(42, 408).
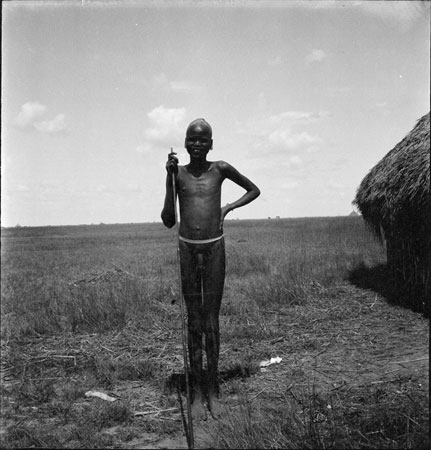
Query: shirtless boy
point(202, 252)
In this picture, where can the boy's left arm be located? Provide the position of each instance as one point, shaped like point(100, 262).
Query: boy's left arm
point(252, 193)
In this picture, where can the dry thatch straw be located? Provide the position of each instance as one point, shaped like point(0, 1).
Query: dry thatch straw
point(394, 199)
point(400, 180)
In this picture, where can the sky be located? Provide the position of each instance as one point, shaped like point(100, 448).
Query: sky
point(304, 98)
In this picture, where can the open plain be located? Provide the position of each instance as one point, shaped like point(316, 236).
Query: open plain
point(96, 308)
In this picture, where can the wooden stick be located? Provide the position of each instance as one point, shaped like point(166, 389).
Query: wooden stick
point(189, 432)
point(156, 411)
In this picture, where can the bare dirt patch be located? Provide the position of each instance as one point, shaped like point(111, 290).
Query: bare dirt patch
point(351, 349)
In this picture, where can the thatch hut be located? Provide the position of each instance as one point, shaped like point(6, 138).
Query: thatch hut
point(395, 201)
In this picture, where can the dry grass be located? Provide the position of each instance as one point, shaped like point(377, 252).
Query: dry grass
point(400, 181)
point(95, 308)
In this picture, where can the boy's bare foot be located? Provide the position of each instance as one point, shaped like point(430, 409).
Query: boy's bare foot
point(215, 406)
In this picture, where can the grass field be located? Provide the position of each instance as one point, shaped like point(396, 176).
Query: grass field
point(96, 308)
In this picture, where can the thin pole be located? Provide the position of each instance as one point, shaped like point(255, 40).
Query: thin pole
point(202, 290)
point(189, 432)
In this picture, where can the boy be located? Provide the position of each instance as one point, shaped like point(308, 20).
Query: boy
point(202, 252)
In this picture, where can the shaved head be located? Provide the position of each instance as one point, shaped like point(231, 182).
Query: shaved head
point(200, 123)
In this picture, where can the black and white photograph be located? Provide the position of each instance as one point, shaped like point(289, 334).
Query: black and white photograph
point(215, 224)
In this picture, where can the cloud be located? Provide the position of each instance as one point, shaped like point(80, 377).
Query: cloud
point(165, 121)
point(316, 55)
point(160, 81)
point(29, 113)
point(294, 161)
point(298, 117)
point(29, 119)
point(166, 128)
point(285, 139)
point(55, 126)
point(279, 133)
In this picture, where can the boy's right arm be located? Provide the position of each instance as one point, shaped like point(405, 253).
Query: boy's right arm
point(168, 211)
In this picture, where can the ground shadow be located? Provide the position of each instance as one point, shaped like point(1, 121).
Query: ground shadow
point(177, 381)
point(381, 280)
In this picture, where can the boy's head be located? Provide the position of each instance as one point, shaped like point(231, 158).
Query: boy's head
point(198, 137)
point(201, 124)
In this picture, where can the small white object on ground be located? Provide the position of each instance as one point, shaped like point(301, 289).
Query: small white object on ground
point(269, 362)
point(101, 395)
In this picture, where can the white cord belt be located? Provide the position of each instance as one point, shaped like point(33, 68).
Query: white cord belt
point(200, 241)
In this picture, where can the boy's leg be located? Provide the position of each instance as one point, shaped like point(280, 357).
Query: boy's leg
point(192, 298)
point(213, 288)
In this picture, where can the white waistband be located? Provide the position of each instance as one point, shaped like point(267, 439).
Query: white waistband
point(201, 241)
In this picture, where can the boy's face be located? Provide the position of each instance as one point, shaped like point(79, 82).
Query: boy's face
point(198, 141)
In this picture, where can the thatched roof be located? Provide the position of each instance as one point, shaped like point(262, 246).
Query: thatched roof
point(398, 186)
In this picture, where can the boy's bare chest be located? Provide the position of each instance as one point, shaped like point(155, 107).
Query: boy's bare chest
point(207, 183)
